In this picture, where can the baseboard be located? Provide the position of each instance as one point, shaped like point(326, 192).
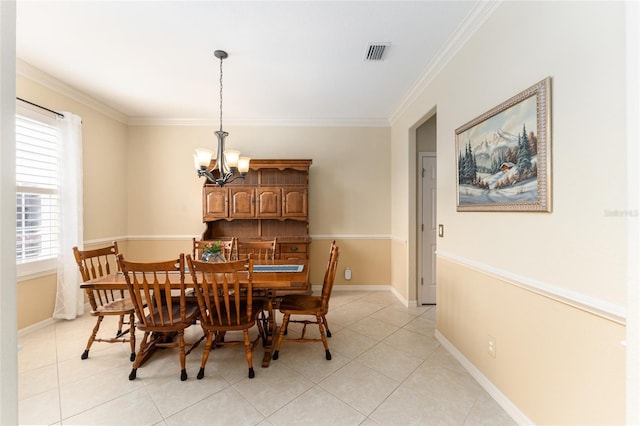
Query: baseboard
point(35, 327)
point(353, 287)
point(45, 323)
point(506, 404)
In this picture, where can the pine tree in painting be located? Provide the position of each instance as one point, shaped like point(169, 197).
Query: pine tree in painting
point(524, 155)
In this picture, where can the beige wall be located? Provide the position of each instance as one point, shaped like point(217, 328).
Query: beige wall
point(348, 190)
point(36, 298)
point(548, 351)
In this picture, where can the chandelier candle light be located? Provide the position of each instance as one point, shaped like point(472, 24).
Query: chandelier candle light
point(229, 166)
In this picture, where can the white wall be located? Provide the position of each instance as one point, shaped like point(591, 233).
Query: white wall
point(8, 331)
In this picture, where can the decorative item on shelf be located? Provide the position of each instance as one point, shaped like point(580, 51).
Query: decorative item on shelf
point(212, 252)
point(229, 165)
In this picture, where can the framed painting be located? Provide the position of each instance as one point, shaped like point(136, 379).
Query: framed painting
point(503, 156)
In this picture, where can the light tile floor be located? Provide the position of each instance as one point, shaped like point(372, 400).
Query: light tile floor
point(387, 369)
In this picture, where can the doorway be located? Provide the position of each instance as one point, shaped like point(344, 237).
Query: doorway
point(427, 228)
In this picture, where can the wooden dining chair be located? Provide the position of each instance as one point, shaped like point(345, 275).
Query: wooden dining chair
point(96, 263)
point(229, 248)
point(309, 305)
point(258, 250)
point(161, 286)
point(224, 293)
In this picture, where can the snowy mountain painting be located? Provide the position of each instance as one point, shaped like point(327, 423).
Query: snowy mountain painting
point(498, 156)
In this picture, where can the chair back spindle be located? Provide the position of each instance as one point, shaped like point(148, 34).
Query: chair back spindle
point(151, 283)
point(224, 291)
point(258, 250)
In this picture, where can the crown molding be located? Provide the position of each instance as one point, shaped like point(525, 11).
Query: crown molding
point(274, 122)
point(474, 20)
point(38, 76)
point(29, 71)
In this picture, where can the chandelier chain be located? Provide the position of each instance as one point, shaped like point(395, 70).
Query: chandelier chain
point(220, 94)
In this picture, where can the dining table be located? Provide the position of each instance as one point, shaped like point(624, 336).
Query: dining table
point(270, 277)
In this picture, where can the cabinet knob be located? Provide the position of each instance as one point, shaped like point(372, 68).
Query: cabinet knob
point(293, 248)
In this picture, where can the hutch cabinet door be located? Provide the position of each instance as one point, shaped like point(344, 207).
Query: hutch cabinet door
point(294, 202)
point(215, 203)
point(269, 202)
point(242, 203)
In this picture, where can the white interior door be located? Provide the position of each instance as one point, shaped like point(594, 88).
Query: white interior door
point(428, 231)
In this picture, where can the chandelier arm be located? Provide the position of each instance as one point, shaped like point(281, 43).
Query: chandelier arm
point(234, 177)
point(223, 178)
point(208, 174)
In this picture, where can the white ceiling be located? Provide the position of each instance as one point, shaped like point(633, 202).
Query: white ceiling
point(289, 62)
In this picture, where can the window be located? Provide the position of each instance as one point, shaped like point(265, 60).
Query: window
point(36, 189)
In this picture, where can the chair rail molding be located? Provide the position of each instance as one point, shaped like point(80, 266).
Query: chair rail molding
point(599, 307)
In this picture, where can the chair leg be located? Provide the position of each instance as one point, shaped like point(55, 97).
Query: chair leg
point(132, 337)
point(94, 333)
point(326, 325)
point(136, 363)
point(247, 348)
point(183, 356)
point(283, 328)
point(120, 323)
point(205, 356)
point(324, 338)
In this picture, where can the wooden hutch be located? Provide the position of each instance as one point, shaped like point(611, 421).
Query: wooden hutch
point(271, 201)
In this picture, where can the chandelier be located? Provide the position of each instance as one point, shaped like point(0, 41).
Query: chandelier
point(229, 166)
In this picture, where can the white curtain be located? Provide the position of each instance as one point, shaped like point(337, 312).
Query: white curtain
point(69, 297)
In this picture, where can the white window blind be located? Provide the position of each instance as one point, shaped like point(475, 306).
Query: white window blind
point(36, 184)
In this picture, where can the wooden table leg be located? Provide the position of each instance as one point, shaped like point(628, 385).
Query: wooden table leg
point(271, 332)
point(156, 338)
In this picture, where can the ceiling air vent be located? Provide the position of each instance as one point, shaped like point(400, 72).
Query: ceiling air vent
point(375, 51)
